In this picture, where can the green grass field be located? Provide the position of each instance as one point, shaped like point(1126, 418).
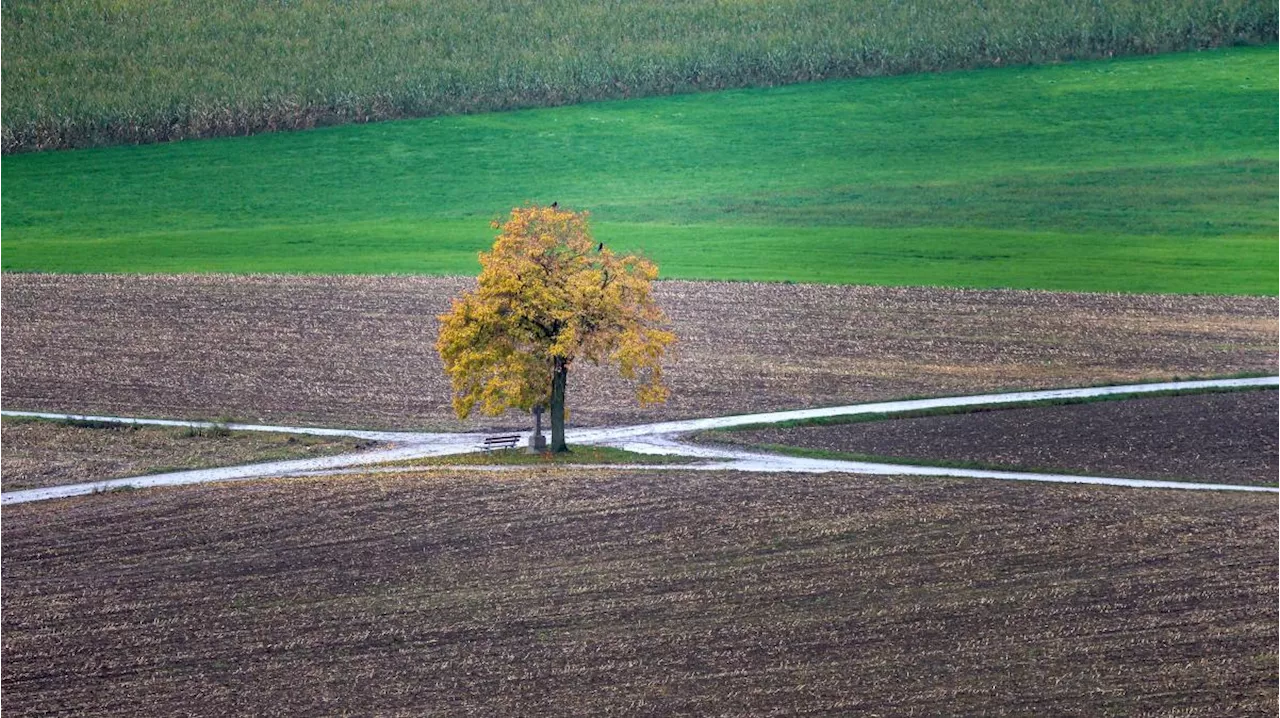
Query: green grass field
point(1152, 174)
point(90, 72)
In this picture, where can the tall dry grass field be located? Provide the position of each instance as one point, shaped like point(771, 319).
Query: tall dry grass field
point(93, 72)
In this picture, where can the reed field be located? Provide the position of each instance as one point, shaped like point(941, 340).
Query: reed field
point(1146, 174)
point(95, 72)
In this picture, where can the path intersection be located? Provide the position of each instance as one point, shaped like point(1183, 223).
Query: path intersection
point(664, 438)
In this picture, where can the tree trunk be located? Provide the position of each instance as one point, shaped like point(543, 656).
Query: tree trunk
point(559, 380)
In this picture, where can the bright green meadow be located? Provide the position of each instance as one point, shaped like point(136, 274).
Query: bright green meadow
point(1147, 174)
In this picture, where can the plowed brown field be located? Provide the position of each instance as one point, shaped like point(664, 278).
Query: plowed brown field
point(1229, 438)
point(359, 350)
point(42, 453)
point(641, 594)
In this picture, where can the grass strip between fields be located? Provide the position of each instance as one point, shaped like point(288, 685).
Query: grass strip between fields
point(520, 457)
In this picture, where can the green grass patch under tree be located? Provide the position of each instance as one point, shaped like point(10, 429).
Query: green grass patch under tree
point(521, 457)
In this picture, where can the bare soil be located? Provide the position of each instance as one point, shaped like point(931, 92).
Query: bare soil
point(1220, 438)
point(43, 453)
point(552, 593)
point(360, 350)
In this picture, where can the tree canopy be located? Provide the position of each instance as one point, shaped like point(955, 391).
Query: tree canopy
point(548, 295)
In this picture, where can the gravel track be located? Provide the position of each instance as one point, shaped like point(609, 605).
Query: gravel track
point(658, 438)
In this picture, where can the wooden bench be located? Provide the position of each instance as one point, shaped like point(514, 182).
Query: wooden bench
point(506, 441)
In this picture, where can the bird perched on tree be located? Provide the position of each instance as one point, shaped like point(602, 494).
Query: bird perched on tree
point(600, 247)
point(555, 205)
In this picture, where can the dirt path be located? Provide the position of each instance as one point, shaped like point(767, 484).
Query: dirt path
point(659, 438)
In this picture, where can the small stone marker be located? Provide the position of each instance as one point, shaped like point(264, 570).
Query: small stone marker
point(537, 443)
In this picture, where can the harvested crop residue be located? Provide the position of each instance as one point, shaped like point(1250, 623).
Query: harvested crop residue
point(552, 593)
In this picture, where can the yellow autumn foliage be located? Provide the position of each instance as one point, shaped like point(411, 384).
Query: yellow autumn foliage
point(549, 295)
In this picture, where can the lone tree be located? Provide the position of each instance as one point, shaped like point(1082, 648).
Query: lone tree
point(550, 295)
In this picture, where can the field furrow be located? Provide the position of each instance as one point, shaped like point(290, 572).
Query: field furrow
point(678, 594)
point(359, 351)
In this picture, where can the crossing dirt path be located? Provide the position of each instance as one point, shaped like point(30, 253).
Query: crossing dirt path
point(657, 438)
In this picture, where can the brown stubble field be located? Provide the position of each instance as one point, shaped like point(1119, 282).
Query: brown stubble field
point(1229, 437)
point(562, 593)
point(359, 350)
point(47, 453)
